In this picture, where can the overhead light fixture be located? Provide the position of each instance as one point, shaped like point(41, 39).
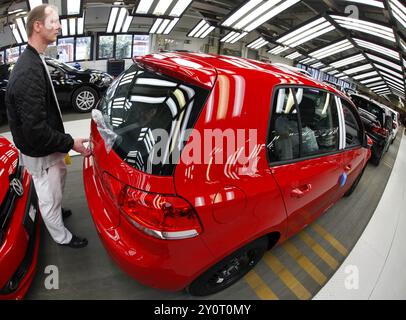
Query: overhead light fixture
point(119, 20)
point(366, 75)
point(165, 8)
point(375, 3)
point(398, 11)
point(384, 86)
point(334, 72)
point(400, 76)
point(348, 61)
point(201, 30)
point(74, 7)
point(372, 85)
point(343, 77)
point(21, 29)
point(163, 26)
point(332, 49)
point(16, 33)
point(371, 80)
point(388, 76)
point(233, 37)
point(358, 69)
point(72, 26)
point(317, 65)
point(278, 50)
point(380, 49)
point(293, 55)
point(339, 75)
point(385, 62)
point(306, 33)
point(402, 44)
point(307, 60)
point(365, 27)
point(34, 3)
point(257, 44)
point(326, 69)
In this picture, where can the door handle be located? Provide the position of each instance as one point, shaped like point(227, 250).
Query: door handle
point(348, 167)
point(301, 191)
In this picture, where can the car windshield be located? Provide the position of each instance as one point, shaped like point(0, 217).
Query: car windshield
point(140, 104)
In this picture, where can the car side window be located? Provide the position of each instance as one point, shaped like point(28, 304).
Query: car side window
point(283, 141)
point(353, 132)
point(319, 120)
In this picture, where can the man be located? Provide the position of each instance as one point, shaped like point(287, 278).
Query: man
point(36, 123)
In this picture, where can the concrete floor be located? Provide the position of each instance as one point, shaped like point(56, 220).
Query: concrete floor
point(284, 273)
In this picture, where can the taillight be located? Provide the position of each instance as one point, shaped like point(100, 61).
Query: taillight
point(381, 131)
point(161, 216)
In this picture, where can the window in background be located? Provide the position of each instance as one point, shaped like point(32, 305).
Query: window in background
point(106, 47)
point(66, 48)
point(23, 47)
point(123, 46)
point(12, 54)
point(140, 45)
point(83, 48)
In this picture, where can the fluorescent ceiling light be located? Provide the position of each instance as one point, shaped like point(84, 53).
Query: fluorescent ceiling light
point(293, 55)
point(378, 4)
point(34, 3)
point(380, 49)
point(334, 72)
point(326, 69)
point(339, 75)
point(171, 26)
point(120, 20)
point(262, 14)
point(21, 28)
point(81, 25)
point(358, 69)
point(197, 28)
point(162, 6)
point(204, 35)
point(242, 35)
point(388, 70)
point(398, 11)
point(163, 25)
point(387, 76)
point(258, 43)
point(379, 87)
point(64, 23)
point(241, 12)
point(307, 60)
point(16, 34)
point(343, 77)
point(366, 75)
point(72, 27)
point(127, 23)
point(156, 25)
point(332, 49)
point(371, 85)
point(366, 27)
point(233, 37)
point(385, 62)
point(348, 61)
point(370, 80)
point(402, 44)
point(308, 32)
point(73, 6)
point(317, 65)
point(179, 8)
point(144, 6)
point(278, 50)
point(201, 30)
point(112, 19)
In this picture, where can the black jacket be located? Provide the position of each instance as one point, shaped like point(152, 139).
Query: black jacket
point(33, 114)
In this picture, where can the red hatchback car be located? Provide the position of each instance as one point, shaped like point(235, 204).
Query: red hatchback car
point(172, 207)
point(19, 225)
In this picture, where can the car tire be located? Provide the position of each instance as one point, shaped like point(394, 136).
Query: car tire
point(354, 185)
point(229, 270)
point(84, 99)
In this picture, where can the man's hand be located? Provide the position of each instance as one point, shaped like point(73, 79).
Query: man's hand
point(79, 146)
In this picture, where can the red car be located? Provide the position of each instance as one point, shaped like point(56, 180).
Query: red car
point(19, 225)
point(174, 215)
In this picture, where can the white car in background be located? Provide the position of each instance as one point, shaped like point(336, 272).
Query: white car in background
point(395, 125)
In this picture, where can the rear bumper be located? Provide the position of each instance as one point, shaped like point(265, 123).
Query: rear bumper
point(164, 264)
point(19, 252)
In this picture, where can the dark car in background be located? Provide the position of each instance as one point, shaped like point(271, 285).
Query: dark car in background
point(79, 89)
point(377, 123)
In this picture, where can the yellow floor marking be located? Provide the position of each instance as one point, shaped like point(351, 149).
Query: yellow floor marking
point(330, 239)
point(319, 250)
point(259, 286)
point(305, 263)
point(287, 278)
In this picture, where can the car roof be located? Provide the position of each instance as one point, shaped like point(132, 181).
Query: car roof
point(203, 68)
point(371, 100)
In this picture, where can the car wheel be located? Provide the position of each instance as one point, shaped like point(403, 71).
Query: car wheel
point(354, 185)
point(229, 270)
point(84, 99)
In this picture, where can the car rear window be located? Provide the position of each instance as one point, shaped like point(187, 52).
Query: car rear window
point(139, 102)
